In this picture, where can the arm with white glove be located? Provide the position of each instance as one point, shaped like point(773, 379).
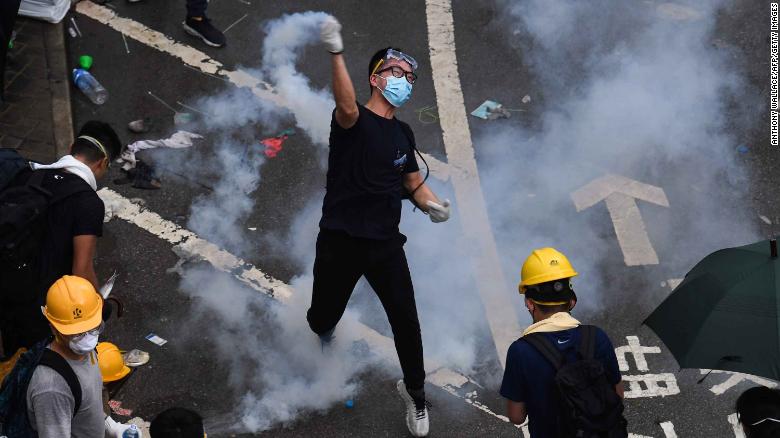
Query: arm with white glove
point(424, 198)
point(115, 429)
point(343, 90)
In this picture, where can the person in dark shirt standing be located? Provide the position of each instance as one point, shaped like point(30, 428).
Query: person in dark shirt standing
point(371, 161)
point(73, 223)
point(528, 383)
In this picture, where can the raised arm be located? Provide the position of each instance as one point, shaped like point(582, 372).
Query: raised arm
point(343, 90)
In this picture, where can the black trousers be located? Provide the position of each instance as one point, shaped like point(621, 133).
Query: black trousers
point(196, 8)
point(340, 262)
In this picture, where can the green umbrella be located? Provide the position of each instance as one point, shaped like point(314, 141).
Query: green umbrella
point(724, 315)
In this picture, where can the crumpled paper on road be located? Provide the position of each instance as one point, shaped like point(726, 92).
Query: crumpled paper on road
point(179, 140)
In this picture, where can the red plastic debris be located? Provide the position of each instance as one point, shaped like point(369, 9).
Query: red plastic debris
point(116, 407)
point(273, 145)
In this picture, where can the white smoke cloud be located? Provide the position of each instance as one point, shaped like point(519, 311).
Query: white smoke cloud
point(644, 97)
point(631, 89)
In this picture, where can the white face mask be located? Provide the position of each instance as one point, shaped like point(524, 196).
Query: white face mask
point(84, 344)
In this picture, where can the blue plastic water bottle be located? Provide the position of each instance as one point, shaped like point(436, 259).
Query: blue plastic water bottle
point(131, 432)
point(89, 86)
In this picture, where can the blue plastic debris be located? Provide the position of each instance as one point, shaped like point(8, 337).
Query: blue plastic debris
point(349, 404)
point(490, 110)
point(742, 149)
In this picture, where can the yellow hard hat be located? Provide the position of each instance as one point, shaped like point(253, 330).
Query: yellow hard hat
point(112, 366)
point(543, 265)
point(73, 306)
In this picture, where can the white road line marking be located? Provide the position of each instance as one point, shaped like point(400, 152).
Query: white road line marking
point(635, 349)
point(735, 426)
point(672, 283)
point(735, 379)
point(187, 54)
point(652, 387)
point(470, 202)
point(191, 246)
point(620, 195)
point(668, 429)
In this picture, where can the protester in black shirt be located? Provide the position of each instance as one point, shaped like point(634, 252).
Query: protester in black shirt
point(74, 221)
point(371, 161)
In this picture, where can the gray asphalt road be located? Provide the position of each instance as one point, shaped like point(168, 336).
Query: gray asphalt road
point(494, 64)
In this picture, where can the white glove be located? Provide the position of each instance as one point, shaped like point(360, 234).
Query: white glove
point(439, 212)
point(330, 34)
point(115, 430)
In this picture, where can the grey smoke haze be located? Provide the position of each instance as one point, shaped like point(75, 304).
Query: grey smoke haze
point(623, 91)
point(631, 89)
point(277, 366)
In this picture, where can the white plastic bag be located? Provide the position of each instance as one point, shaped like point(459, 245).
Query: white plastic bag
point(52, 11)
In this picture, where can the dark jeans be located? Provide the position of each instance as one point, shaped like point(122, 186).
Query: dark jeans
point(196, 8)
point(341, 261)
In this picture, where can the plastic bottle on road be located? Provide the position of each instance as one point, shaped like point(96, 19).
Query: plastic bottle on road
point(89, 86)
point(131, 432)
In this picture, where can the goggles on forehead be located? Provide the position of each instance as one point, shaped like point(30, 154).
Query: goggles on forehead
point(395, 54)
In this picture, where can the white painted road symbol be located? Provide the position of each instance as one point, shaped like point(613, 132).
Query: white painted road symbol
point(620, 195)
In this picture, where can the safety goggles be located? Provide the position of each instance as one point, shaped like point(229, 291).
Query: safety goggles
point(395, 54)
point(398, 72)
point(94, 332)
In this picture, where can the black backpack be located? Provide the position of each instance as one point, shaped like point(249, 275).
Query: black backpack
point(13, 391)
point(587, 404)
point(23, 222)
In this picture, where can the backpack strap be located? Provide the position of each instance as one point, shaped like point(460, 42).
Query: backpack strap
point(58, 363)
point(546, 348)
point(587, 341)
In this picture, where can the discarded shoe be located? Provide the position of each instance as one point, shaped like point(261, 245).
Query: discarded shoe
point(140, 126)
point(416, 411)
point(135, 358)
point(204, 30)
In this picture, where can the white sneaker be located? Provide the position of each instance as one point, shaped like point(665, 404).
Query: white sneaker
point(416, 417)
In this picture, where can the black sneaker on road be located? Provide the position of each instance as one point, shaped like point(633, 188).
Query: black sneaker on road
point(204, 30)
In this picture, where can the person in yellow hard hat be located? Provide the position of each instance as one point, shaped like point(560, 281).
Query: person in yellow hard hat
point(112, 366)
point(56, 407)
point(557, 348)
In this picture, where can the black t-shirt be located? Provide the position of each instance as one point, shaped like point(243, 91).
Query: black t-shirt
point(76, 215)
point(365, 169)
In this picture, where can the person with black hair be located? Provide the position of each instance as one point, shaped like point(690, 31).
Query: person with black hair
point(177, 423)
point(758, 411)
point(69, 232)
point(371, 163)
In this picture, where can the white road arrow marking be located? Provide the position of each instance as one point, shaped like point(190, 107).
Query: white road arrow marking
point(620, 195)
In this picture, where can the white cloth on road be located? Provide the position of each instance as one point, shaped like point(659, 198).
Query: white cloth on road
point(181, 139)
point(71, 165)
point(52, 11)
